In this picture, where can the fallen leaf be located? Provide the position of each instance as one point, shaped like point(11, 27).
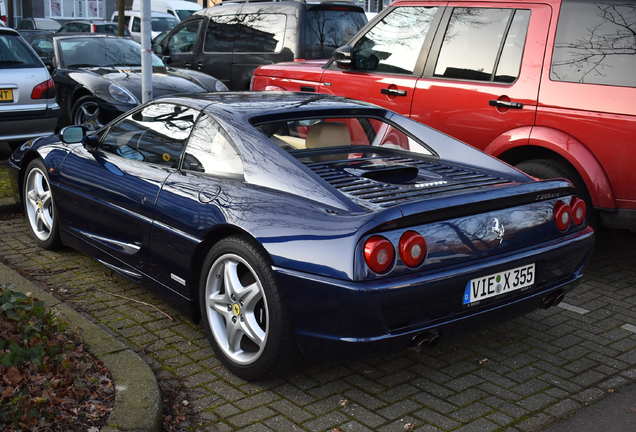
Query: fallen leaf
point(409, 427)
point(343, 403)
point(13, 376)
point(483, 361)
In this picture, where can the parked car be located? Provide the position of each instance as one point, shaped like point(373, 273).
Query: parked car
point(179, 9)
point(47, 24)
point(29, 28)
point(159, 22)
point(292, 218)
point(512, 78)
point(98, 77)
point(28, 108)
point(90, 26)
point(228, 41)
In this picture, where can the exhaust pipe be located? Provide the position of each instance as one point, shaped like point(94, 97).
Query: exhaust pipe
point(429, 338)
point(552, 299)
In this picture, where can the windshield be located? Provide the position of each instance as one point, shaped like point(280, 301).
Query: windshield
point(160, 24)
point(14, 53)
point(101, 51)
point(300, 135)
point(183, 13)
point(328, 29)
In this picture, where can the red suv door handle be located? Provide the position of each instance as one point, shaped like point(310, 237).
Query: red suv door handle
point(393, 92)
point(505, 104)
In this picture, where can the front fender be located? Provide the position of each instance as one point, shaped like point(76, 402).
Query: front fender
point(566, 146)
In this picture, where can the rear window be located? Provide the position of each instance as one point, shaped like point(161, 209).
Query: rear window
point(15, 54)
point(106, 28)
point(324, 133)
point(596, 43)
point(329, 28)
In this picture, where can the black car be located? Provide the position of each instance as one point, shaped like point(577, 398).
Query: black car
point(229, 41)
point(91, 26)
point(98, 77)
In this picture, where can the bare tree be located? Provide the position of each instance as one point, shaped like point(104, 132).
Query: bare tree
point(613, 34)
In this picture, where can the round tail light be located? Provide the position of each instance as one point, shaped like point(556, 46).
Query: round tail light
point(412, 248)
point(578, 208)
point(562, 216)
point(379, 254)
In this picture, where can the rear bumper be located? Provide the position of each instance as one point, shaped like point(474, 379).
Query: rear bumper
point(25, 125)
point(368, 314)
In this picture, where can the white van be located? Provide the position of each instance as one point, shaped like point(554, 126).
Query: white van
point(160, 22)
point(180, 9)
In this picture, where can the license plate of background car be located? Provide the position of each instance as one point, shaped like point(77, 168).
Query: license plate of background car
point(6, 95)
point(498, 283)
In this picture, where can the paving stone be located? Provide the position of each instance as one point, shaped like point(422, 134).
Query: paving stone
point(516, 376)
point(251, 416)
point(325, 421)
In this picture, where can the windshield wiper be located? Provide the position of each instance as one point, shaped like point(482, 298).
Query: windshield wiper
point(12, 62)
point(125, 64)
point(82, 65)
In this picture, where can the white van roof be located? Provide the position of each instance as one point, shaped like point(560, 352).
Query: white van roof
point(163, 5)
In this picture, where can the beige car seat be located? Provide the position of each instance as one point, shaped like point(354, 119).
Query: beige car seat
point(323, 135)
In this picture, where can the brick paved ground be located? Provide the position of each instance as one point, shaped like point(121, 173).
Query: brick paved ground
point(516, 376)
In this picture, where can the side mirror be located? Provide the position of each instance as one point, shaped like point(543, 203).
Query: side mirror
point(342, 56)
point(73, 134)
point(77, 135)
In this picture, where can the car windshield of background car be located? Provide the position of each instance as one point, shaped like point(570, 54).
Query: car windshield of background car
point(94, 52)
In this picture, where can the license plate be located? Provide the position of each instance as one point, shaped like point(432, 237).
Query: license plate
point(498, 283)
point(6, 95)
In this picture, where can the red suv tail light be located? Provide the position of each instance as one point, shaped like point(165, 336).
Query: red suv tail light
point(562, 216)
point(578, 210)
point(412, 248)
point(379, 254)
point(44, 90)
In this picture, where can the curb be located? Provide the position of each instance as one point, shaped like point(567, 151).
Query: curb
point(137, 404)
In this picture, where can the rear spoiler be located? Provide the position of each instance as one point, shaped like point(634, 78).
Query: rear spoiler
point(462, 204)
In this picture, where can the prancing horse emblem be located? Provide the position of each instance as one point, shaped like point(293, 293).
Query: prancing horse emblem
point(498, 229)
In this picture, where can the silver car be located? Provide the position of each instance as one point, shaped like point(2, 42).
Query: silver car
point(28, 108)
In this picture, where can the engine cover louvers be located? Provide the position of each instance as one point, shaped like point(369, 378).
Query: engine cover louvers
point(435, 177)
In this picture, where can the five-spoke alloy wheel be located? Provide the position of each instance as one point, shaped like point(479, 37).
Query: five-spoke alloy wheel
point(237, 308)
point(87, 112)
point(39, 205)
point(242, 309)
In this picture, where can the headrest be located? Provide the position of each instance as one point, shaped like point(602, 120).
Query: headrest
point(326, 134)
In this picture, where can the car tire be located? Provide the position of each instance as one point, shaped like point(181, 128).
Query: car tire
point(550, 168)
point(243, 311)
point(39, 206)
point(85, 107)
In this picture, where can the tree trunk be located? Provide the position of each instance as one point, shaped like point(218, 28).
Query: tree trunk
point(10, 13)
point(121, 22)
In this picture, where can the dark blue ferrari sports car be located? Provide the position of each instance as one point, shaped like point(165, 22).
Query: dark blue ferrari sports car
point(288, 220)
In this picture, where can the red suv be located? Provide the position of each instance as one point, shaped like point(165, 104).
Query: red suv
point(547, 86)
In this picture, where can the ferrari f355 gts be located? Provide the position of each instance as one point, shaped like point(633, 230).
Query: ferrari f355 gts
point(297, 220)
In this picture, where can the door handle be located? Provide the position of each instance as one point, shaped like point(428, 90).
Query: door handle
point(187, 65)
point(505, 104)
point(199, 65)
point(393, 92)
